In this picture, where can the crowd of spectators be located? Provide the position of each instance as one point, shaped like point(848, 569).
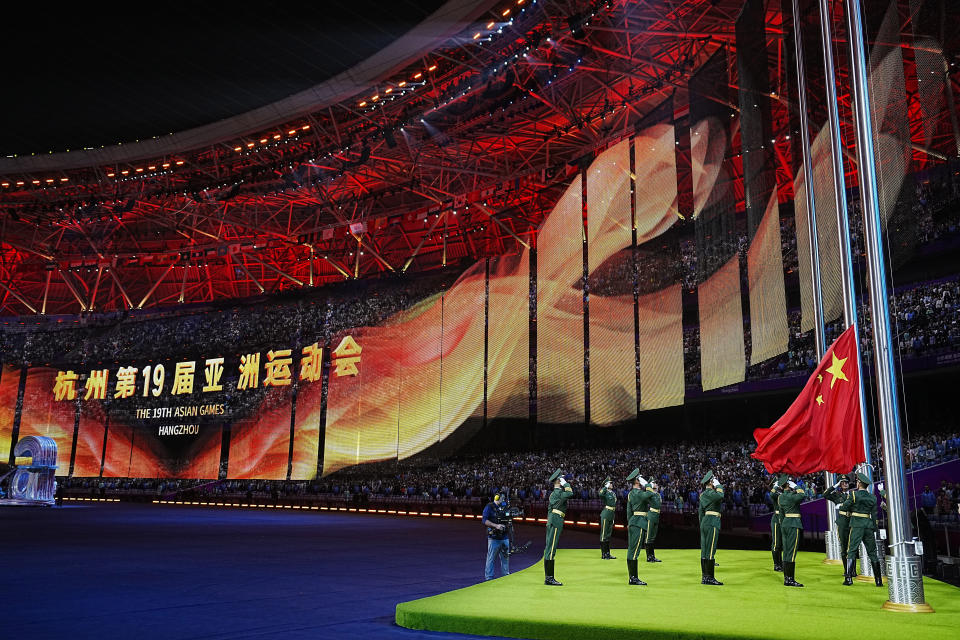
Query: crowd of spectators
point(676, 467)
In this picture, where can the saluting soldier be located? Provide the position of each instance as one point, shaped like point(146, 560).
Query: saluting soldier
point(607, 515)
point(776, 520)
point(791, 530)
point(562, 491)
point(709, 513)
point(653, 520)
point(637, 503)
point(862, 505)
point(837, 494)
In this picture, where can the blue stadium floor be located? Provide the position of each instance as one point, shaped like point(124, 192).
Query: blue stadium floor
point(104, 571)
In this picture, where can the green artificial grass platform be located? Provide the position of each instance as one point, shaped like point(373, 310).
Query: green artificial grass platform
point(596, 602)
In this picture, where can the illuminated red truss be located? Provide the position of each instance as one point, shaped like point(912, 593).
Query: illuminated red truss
point(455, 154)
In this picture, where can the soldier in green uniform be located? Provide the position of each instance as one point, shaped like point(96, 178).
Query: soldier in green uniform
point(862, 505)
point(653, 520)
point(562, 491)
point(776, 522)
point(837, 494)
point(607, 516)
point(637, 503)
point(791, 530)
point(709, 513)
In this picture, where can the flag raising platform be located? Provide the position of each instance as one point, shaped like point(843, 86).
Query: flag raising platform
point(596, 602)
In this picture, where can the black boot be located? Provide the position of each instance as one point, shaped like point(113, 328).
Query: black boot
point(606, 551)
point(708, 573)
point(651, 556)
point(788, 575)
point(848, 573)
point(632, 569)
point(548, 572)
point(777, 560)
point(877, 575)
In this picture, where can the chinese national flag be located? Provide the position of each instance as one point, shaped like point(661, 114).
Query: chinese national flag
point(821, 431)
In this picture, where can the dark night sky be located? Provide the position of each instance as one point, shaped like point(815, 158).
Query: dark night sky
point(79, 77)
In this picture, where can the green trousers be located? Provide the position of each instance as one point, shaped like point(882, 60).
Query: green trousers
point(867, 537)
point(652, 525)
point(708, 541)
point(635, 541)
point(776, 543)
point(791, 542)
point(553, 539)
point(606, 526)
point(843, 534)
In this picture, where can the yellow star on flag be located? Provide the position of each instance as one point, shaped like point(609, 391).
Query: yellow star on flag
point(819, 400)
point(836, 369)
point(819, 377)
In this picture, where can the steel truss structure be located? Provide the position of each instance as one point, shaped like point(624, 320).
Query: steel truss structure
point(454, 154)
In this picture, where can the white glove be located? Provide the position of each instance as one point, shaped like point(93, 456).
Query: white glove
point(880, 487)
point(563, 481)
point(715, 483)
point(643, 482)
point(609, 485)
point(792, 484)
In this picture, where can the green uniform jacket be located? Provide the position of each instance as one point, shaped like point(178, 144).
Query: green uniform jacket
point(638, 500)
point(862, 505)
point(655, 502)
point(775, 517)
point(838, 498)
point(790, 509)
point(609, 500)
point(558, 502)
point(710, 500)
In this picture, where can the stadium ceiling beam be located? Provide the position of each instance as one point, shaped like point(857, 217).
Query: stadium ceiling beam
point(243, 268)
point(46, 291)
point(183, 283)
point(333, 263)
point(123, 292)
point(65, 276)
point(155, 285)
point(361, 243)
point(423, 239)
point(96, 287)
point(19, 297)
point(679, 34)
point(276, 270)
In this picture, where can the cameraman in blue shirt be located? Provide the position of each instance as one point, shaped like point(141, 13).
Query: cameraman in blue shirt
point(498, 543)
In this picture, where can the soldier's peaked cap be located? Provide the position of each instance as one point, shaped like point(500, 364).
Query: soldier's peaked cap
point(707, 477)
point(633, 474)
point(555, 475)
point(862, 477)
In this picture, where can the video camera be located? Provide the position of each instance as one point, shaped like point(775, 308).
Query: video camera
point(505, 514)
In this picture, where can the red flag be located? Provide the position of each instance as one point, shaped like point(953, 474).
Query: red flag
point(821, 431)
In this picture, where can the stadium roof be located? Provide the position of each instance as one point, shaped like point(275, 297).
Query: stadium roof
point(448, 144)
